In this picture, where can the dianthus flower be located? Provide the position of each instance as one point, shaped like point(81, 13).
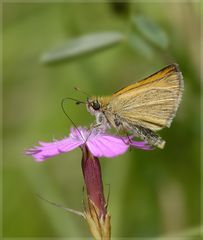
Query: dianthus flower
point(93, 144)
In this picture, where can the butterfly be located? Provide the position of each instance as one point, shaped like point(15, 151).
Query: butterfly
point(142, 108)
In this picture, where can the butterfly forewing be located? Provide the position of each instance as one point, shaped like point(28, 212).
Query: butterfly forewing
point(152, 102)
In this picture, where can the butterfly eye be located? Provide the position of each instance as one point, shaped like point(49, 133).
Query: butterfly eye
point(96, 105)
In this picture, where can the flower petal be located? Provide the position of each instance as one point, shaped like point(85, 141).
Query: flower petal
point(47, 150)
point(103, 145)
point(141, 144)
point(106, 146)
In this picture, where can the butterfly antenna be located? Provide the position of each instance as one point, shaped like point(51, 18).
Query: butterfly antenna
point(79, 90)
point(63, 109)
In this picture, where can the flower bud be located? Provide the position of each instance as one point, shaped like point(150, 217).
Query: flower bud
point(96, 210)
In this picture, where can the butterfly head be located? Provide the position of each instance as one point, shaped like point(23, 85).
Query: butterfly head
point(93, 105)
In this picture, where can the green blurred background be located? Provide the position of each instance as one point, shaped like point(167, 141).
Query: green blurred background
point(152, 193)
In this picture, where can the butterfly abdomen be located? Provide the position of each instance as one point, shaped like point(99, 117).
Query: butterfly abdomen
point(148, 135)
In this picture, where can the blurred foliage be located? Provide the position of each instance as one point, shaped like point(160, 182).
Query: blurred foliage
point(151, 31)
point(91, 43)
point(153, 193)
point(83, 45)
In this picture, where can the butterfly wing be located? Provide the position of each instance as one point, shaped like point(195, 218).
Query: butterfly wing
point(152, 102)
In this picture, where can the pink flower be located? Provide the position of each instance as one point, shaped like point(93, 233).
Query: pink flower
point(93, 144)
point(99, 144)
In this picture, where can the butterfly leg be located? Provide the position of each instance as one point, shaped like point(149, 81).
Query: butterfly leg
point(119, 127)
point(101, 124)
point(127, 135)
